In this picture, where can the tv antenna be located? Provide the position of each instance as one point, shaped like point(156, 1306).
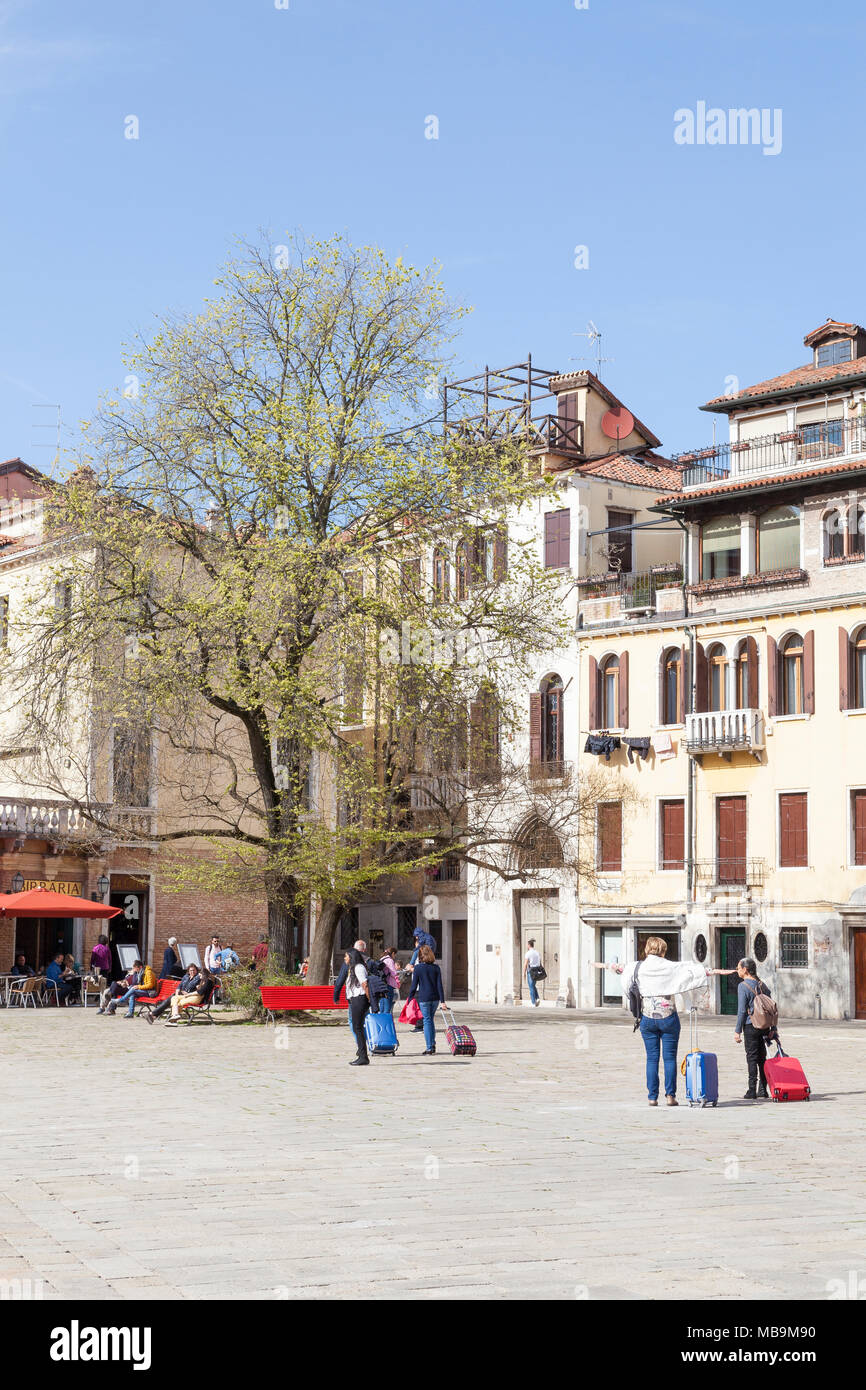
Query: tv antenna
point(593, 334)
point(51, 425)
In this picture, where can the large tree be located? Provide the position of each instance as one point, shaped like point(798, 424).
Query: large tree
point(245, 553)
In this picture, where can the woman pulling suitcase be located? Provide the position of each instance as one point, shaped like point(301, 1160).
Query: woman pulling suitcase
point(757, 1017)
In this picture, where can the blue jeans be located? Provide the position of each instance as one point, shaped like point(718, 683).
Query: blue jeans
point(133, 996)
point(533, 992)
point(386, 1001)
point(428, 1010)
point(661, 1034)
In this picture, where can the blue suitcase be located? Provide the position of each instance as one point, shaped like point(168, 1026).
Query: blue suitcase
point(381, 1034)
point(701, 1069)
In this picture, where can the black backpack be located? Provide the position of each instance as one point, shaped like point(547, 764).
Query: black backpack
point(376, 977)
point(635, 998)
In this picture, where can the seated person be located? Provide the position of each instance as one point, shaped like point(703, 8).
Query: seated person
point(188, 985)
point(115, 990)
point(144, 987)
point(205, 986)
point(66, 988)
point(21, 967)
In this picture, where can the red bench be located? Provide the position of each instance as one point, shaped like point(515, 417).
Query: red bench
point(279, 997)
point(166, 989)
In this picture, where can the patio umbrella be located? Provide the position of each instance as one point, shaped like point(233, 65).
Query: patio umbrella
point(44, 902)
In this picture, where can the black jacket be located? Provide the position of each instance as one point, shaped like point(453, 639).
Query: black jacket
point(340, 981)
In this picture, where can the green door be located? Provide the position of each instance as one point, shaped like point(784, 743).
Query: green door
point(732, 948)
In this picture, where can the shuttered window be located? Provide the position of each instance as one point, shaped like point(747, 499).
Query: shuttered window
point(610, 837)
point(619, 544)
point(673, 837)
point(858, 823)
point(793, 839)
point(557, 539)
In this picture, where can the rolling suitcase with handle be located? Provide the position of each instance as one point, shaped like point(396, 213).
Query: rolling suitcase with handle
point(459, 1038)
point(701, 1070)
point(786, 1079)
point(381, 1034)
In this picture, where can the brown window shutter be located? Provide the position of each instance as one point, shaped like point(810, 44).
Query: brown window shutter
point(535, 727)
point(476, 737)
point(793, 846)
point(551, 540)
point(844, 669)
point(500, 557)
point(622, 692)
point(809, 673)
point(476, 561)
point(684, 672)
point(858, 816)
point(702, 679)
point(772, 677)
point(610, 837)
point(752, 671)
point(593, 693)
point(673, 835)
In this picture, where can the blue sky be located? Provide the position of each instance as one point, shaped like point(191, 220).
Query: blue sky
point(556, 129)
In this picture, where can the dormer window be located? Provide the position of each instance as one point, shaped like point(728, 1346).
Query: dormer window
point(837, 350)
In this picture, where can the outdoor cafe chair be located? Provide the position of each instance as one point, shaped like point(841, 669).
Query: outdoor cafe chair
point(26, 991)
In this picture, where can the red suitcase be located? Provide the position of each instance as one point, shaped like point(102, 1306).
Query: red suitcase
point(786, 1079)
point(458, 1036)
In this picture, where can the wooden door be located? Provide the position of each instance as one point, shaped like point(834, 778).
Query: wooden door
point(539, 919)
point(732, 948)
point(860, 974)
point(731, 839)
point(459, 960)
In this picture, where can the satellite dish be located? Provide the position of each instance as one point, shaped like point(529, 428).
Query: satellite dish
point(617, 423)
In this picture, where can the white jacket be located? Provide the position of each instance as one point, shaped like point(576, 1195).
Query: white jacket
point(660, 976)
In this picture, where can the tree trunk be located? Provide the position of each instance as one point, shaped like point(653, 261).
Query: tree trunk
point(280, 921)
point(322, 949)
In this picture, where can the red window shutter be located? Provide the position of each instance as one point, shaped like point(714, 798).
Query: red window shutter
point(535, 727)
point(683, 679)
point(673, 834)
point(702, 679)
point(610, 837)
point(731, 839)
point(809, 673)
point(622, 692)
point(793, 841)
point(593, 693)
point(772, 677)
point(858, 815)
point(564, 539)
point(476, 736)
point(500, 557)
point(752, 671)
point(844, 669)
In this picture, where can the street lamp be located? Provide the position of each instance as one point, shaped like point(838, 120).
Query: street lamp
point(17, 882)
point(102, 885)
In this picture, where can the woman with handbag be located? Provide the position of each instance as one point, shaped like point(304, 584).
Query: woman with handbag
point(358, 996)
point(534, 971)
point(427, 985)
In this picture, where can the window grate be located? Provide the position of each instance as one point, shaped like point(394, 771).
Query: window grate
point(794, 948)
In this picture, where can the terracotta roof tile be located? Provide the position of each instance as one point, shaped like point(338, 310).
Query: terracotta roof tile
point(800, 377)
point(760, 480)
point(641, 470)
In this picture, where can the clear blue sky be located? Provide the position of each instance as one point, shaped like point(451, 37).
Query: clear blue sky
point(555, 129)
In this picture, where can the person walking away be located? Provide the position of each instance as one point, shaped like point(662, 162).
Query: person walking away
point(659, 981)
point(755, 1025)
point(100, 961)
point(358, 995)
point(427, 985)
point(532, 961)
point(260, 954)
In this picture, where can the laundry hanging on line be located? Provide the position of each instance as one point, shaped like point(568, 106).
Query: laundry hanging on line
point(639, 746)
point(602, 743)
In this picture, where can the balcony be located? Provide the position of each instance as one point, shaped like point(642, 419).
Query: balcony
point(607, 598)
point(725, 732)
point(448, 872)
point(831, 441)
point(550, 770)
point(739, 872)
point(43, 820)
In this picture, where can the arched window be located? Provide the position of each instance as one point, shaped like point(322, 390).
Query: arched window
point(552, 731)
point(834, 535)
point(461, 569)
point(791, 652)
point(717, 666)
point(746, 676)
point(608, 690)
point(672, 685)
point(720, 548)
point(539, 847)
point(441, 577)
point(858, 663)
point(857, 534)
point(779, 539)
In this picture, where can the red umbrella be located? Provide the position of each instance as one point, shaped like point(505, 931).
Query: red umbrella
point(44, 902)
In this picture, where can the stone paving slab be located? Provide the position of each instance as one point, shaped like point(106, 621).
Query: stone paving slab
point(535, 1170)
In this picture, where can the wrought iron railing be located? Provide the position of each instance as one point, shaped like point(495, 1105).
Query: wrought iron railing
point(823, 441)
point(734, 871)
point(635, 589)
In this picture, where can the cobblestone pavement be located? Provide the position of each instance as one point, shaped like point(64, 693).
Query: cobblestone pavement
point(145, 1162)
